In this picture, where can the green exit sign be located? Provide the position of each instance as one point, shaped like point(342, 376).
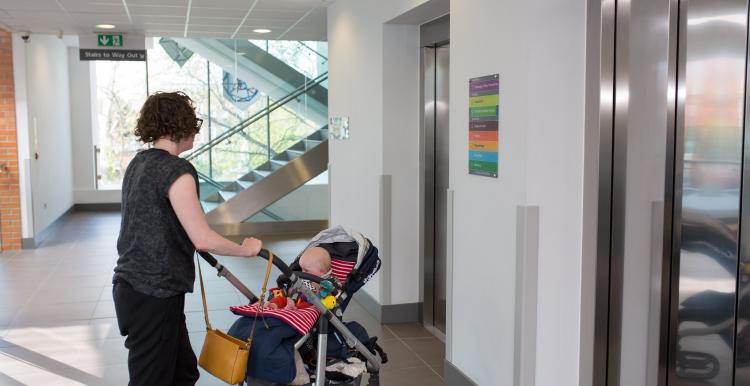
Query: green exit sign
point(108, 40)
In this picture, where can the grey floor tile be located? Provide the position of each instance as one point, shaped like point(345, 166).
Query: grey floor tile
point(79, 281)
point(431, 350)
point(399, 355)
point(414, 376)
point(105, 328)
point(55, 312)
point(408, 330)
point(55, 296)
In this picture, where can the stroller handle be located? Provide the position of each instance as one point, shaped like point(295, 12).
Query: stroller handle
point(280, 264)
point(264, 254)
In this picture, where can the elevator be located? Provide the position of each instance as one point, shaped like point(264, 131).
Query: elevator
point(673, 236)
point(435, 62)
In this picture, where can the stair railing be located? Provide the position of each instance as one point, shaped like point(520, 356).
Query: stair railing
point(257, 116)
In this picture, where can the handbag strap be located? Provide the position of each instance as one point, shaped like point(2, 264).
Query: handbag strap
point(203, 294)
point(261, 302)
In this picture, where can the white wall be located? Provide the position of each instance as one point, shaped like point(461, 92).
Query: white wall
point(537, 47)
point(555, 148)
point(48, 100)
point(487, 37)
point(82, 119)
point(371, 85)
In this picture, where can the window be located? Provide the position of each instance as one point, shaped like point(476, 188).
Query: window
point(223, 101)
point(120, 93)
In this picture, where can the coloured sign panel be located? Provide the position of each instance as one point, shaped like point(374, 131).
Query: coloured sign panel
point(484, 111)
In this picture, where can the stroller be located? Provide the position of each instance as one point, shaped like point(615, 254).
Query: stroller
point(354, 261)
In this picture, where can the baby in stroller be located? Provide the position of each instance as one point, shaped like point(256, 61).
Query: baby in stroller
point(316, 289)
point(315, 261)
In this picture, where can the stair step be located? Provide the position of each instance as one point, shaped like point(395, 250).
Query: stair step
point(278, 164)
point(265, 166)
point(249, 177)
point(317, 136)
point(244, 184)
point(260, 174)
point(233, 187)
point(293, 154)
point(309, 143)
point(209, 206)
point(214, 197)
point(227, 195)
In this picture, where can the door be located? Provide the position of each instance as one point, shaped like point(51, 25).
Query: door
point(674, 217)
point(435, 91)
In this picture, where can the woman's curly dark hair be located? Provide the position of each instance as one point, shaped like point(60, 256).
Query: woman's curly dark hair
point(166, 114)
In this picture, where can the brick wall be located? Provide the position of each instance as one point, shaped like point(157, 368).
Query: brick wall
point(10, 205)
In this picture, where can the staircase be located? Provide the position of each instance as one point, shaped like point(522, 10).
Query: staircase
point(241, 207)
point(276, 67)
point(237, 201)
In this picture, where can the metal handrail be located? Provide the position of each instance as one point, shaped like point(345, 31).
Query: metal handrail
point(302, 89)
point(298, 42)
point(313, 50)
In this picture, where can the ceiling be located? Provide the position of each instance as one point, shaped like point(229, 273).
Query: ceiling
point(287, 19)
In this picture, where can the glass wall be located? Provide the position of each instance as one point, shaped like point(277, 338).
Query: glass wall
point(120, 92)
point(224, 101)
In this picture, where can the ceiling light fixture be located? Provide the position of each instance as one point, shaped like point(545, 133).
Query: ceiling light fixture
point(105, 26)
point(261, 30)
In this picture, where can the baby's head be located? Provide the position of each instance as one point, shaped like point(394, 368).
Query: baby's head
point(316, 261)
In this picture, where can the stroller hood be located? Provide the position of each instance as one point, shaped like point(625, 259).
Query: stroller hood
point(367, 260)
point(338, 234)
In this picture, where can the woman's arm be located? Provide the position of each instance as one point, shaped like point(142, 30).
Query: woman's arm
point(184, 199)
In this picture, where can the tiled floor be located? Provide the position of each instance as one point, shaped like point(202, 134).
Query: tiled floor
point(57, 324)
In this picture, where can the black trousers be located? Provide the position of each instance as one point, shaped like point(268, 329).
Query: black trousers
point(159, 351)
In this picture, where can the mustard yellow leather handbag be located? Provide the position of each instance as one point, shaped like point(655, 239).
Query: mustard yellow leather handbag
point(222, 355)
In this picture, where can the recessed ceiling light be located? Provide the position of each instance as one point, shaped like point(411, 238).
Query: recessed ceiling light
point(261, 30)
point(105, 26)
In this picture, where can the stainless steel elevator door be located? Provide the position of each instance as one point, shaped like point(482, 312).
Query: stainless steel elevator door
point(435, 91)
point(711, 69)
point(442, 62)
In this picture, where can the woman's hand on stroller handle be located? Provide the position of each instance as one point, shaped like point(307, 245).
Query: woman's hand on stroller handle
point(252, 245)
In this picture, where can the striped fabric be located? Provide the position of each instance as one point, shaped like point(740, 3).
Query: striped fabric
point(301, 319)
point(340, 269)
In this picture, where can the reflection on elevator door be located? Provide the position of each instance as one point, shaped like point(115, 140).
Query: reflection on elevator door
point(680, 115)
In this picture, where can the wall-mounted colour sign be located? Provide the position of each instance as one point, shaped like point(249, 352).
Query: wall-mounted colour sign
point(484, 111)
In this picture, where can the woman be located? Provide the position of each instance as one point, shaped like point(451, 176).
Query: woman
point(162, 226)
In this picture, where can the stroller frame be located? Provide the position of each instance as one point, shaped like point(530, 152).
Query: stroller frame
point(325, 319)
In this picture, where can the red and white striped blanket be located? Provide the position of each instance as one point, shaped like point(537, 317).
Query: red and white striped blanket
point(301, 319)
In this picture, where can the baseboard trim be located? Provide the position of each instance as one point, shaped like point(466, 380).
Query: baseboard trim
point(455, 377)
point(98, 207)
point(28, 243)
point(38, 239)
point(390, 313)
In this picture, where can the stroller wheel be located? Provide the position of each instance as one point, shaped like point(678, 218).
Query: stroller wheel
point(696, 365)
point(374, 379)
